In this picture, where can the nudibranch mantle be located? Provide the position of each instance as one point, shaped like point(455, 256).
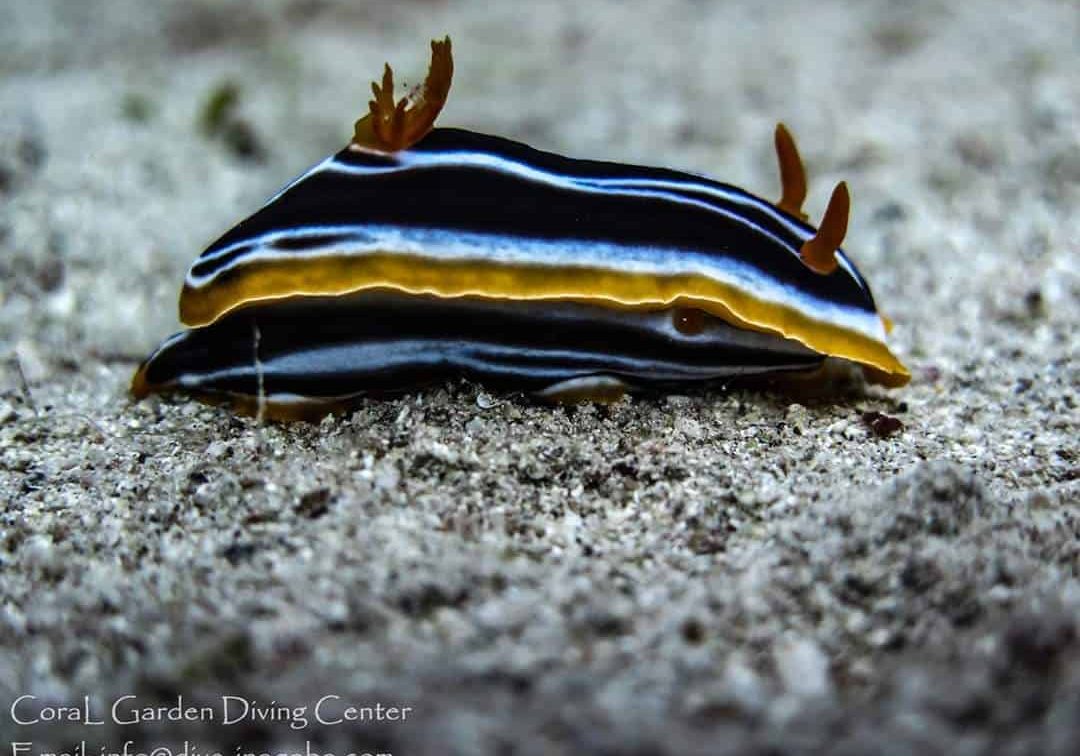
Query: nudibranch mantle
point(436, 222)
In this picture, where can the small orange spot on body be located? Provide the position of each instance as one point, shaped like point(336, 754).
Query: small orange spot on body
point(689, 321)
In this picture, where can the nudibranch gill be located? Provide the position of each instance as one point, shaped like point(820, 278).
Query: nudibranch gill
point(420, 254)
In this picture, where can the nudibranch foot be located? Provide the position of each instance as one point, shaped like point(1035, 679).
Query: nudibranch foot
point(317, 354)
point(602, 389)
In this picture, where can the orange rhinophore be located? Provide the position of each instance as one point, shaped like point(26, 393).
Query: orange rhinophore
point(792, 173)
point(819, 252)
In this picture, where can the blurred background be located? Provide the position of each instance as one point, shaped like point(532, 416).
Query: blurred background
point(134, 133)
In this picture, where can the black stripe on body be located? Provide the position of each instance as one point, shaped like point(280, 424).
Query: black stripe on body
point(334, 347)
point(692, 214)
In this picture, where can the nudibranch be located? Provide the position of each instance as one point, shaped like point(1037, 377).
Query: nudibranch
point(420, 254)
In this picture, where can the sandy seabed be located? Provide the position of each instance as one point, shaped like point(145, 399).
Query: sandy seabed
point(726, 572)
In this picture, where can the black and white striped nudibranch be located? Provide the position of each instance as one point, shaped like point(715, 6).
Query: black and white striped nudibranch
point(416, 255)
